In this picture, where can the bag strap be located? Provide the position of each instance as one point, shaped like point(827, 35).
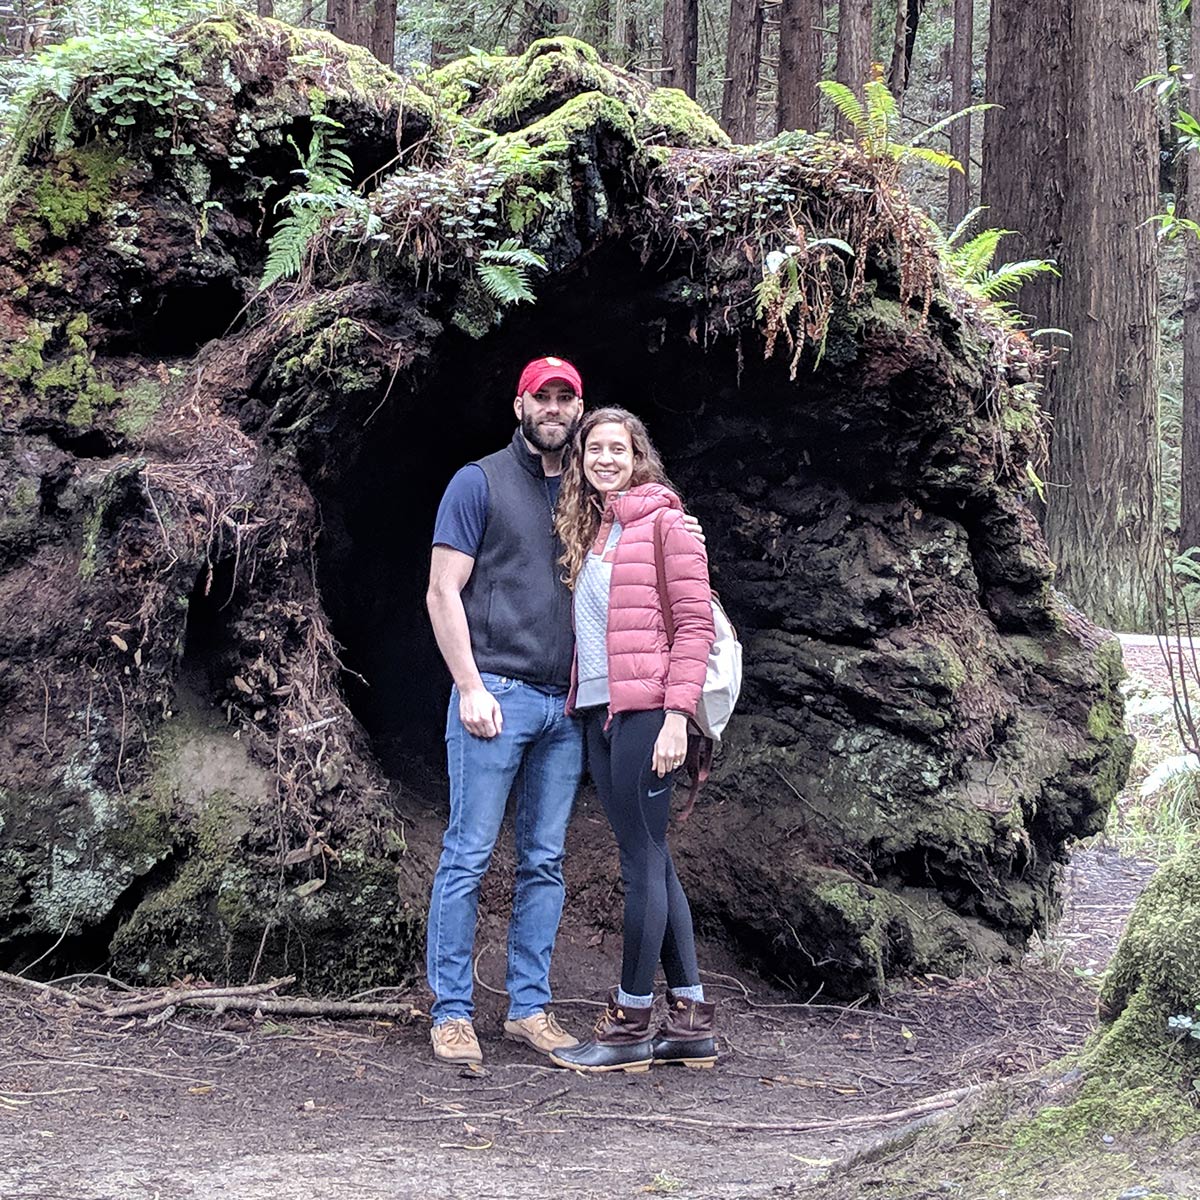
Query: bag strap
point(660, 570)
point(698, 762)
point(699, 765)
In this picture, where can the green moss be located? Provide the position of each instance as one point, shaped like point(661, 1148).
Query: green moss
point(22, 358)
point(75, 187)
point(137, 406)
point(671, 117)
point(22, 239)
point(847, 901)
point(93, 522)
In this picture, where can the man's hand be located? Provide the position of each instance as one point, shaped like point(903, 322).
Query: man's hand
point(479, 711)
point(694, 528)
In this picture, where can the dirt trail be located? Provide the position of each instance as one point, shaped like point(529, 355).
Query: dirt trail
point(207, 1106)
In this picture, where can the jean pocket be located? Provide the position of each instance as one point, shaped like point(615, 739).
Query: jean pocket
point(498, 685)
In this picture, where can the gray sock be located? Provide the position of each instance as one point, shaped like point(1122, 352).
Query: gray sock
point(628, 1001)
point(694, 992)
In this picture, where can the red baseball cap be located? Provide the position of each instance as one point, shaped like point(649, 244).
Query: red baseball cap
point(542, 370)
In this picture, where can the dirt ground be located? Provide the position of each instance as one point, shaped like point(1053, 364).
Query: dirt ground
point(231, 1106)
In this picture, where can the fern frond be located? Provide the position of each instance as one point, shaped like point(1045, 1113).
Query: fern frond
point(505, 284)
point(1007, 280)
point(963, 227)
point(926, 154)
point(846, 102)
point(975, 258)
point(288, 244)
point(881, 113)
point(938, 126)
point(510, 252)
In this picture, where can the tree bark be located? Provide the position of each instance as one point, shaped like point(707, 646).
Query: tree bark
point(681, 39)
point(739, 104)
point(1065, 76)
point(800, 54)
point(908, 16)
point(1103, 520)
point(595, 27)
point(539, 19)
point(266, 8)
point(1189, 467)
point(961, 62)
point(853, 49)
point(370, 23)
point(625, 38)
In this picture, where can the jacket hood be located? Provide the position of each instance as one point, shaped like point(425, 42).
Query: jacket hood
point(641, 502)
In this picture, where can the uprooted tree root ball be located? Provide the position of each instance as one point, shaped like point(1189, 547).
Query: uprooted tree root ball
point(224, 707)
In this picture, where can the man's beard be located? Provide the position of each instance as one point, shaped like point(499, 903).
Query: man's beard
point(548, 441)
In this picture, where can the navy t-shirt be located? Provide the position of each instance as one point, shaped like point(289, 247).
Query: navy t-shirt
point(463, 513)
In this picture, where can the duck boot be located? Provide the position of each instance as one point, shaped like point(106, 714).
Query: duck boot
point(687, 1034)
point(620, 1041)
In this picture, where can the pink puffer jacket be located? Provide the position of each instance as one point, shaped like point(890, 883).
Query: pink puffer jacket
point(644, 671)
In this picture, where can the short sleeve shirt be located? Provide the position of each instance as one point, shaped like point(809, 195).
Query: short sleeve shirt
point(463, 513)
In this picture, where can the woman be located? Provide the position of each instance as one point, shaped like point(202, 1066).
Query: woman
point(635, 693)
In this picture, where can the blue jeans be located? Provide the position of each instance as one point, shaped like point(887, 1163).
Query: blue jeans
point(540, 751)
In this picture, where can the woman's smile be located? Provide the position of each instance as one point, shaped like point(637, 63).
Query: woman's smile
point(608, 458)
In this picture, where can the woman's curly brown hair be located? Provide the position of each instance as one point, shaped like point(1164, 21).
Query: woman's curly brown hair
point(580, 506)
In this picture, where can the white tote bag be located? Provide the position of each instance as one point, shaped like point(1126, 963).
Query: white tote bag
point(723, 677)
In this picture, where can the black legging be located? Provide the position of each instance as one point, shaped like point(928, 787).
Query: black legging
point(658, 921)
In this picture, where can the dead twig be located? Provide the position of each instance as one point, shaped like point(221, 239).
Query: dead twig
point(921, 1108)
point(203, 995)
point(49, 990)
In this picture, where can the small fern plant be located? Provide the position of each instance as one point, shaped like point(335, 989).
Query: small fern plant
point(325, 171)
point(503, 270)
point(970, 257)
point(875, 120)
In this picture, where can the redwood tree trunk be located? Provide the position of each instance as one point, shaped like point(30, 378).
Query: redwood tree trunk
point(1065, 74)
point(853, 48)
point(1189, 488)
point(800, 54)
point(961, 62)
point(625, 36)
point(265, 8)
point(681, 36)
point(908, 16)
point(1025, 140)
point(370, 23)
point(739, 104)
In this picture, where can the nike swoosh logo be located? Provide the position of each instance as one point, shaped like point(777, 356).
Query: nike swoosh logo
point(659, 792)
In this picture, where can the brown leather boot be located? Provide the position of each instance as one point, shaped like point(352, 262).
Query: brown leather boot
point(620, 1041)
point(687, 1034)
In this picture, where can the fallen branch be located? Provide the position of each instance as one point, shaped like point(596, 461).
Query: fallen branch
point(228, 994)
point(311, 1008)
point(49, 990)
point(921, 1108)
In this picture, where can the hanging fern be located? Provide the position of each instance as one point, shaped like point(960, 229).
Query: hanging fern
point(326, 171)
point(503, 270)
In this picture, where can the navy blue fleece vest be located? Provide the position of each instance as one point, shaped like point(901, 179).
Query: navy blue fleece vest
point(518, 608)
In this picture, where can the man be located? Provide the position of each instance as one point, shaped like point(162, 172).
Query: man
point(502, 619)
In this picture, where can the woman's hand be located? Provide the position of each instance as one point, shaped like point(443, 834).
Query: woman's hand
point(670, 748)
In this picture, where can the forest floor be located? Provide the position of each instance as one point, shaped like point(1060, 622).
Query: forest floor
point(202, 1106)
